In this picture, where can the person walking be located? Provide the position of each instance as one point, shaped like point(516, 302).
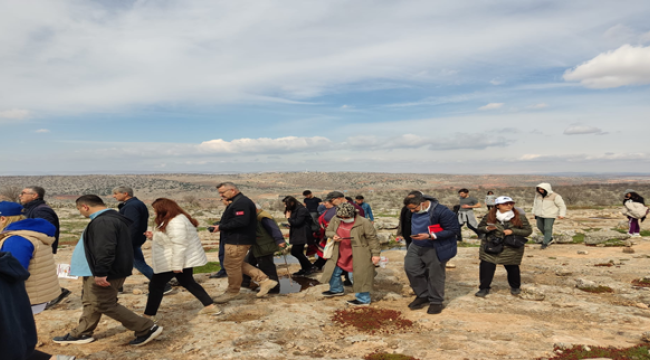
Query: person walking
point(238, 227)
point(312, 203)
point(502, 222)
point(635, 210)
point(367, 210)
point(433, 230)
point(106, 246)
point(489, 200)
point(300, 233)
point(135, 210)
point(268, 240)
point(29, 241)
point(176, 251)
point(547, 206)
point(466, 211)
point(323, 221)
point(356, 250)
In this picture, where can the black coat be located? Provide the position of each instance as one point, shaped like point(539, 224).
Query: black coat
point(17, 327)
point(238, 224)
point(405, 224)
point(38, 209)
point(107, 242)
point(300, 231)
point(136, 211)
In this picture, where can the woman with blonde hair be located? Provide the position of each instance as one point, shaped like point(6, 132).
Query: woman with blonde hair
point(176, 250)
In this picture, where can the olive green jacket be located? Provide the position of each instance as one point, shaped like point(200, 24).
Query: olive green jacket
point(264, 243)
point(509, 256)
point(364, 246)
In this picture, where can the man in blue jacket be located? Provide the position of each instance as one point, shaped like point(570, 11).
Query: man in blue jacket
point(135, 210)
point(433, 230)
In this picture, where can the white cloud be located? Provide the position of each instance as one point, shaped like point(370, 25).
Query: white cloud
point(491, 106)
point(620, 33)
point(538, 106)
point(583, 130)
point(496, 82)
point(42, 131)
point(14, 114)
point(264, 145)
point(440, 142)
point(627, 65)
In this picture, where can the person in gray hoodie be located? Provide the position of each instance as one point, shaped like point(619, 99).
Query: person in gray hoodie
point(547, 206)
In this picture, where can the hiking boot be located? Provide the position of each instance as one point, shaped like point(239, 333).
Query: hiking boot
point(153, 333)
point(219, 275)
point(482, 292)
point(210, 310)
point(299, 273)
point(356, 302)
point(168, 289)
point(331, 293)
point(69, 339)
point(418, 303)
point(266, 286)
point(225, 297)
point(515, 291)
point(64, 294)
point(435, 309)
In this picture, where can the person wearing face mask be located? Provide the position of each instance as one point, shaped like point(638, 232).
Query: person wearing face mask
point(547, 206)
point(502, 221)
point(356, 250)
point(434, 229)
point(635, 210)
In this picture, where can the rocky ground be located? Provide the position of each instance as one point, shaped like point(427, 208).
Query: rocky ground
point(551, 311)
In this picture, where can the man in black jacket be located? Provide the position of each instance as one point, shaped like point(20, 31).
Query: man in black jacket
point(238, 227)
point(135, 210)
point(35, 208)
point(109, 256)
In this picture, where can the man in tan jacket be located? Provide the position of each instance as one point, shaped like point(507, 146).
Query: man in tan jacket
point(547, 206)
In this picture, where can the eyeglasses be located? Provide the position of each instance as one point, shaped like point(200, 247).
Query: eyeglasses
point(223, 191)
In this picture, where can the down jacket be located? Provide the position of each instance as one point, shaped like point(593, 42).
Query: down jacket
point(549, 206)
point(634, 209)
point(178, 247)
point(509, 256)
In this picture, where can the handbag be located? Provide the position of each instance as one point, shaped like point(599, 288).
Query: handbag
point(515, 241)
point(328, 251)
point(494, 245)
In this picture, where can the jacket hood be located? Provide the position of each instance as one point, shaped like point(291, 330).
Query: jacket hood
point(429, 197)
point(545, 186)
point(11, 269)
point(37, 225)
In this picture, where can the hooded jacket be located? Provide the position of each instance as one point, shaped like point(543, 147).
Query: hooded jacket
point(17, 328)
point(107, 242)
point(39, 209)
point(31, 242)
point(549, 206)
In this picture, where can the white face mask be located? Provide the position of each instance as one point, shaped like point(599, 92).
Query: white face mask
point(347, 221)
point(422, 209)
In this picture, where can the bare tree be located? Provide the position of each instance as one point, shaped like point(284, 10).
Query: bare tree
point(11, 193)
point(191, 200)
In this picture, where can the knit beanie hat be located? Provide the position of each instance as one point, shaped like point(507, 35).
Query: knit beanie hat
point(345, 210)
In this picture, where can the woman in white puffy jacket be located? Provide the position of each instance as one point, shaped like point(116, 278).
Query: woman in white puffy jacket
point(635, 210)
point(176, 251)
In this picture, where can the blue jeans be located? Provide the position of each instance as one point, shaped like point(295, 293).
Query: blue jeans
point(140, 264)
point(336, 285)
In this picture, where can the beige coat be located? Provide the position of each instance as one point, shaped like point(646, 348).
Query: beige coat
point(43, 283)
point(364, 246)
point(550, 206)
point(178, 247)
point(634, 209)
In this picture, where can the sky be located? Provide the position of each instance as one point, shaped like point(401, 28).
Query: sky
point(471, 87)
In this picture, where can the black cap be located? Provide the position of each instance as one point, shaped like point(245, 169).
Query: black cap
point(334, 195)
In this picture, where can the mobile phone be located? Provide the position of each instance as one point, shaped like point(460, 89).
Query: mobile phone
point(211, 228)
point(491, 224)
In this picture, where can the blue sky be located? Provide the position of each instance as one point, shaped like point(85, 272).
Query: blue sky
point(384, 86)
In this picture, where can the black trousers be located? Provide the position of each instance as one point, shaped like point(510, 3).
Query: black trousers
point(320, 262)
point(157, 287)
point(38, 355)
point(298, 251)
point(486, 274)
point(264, 263)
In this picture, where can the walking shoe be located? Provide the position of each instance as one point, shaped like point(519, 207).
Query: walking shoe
point(356, 302)
point(543, 247)
point(266, 286)
point(64, 294)
point(219, 275)
point(210, 310)
point(418, 303)
point(482, 292)
point(153, 333)
point(225, 297)
point(331, 293)
point(69, 339)
point(65, 357)
point(310, 271)
point(515, 291)
point(168, 289)
point(435, 309)
point(299, 273)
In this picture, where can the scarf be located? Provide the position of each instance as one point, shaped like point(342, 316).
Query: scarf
point(506, 216)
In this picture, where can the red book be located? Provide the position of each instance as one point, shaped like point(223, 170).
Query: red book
point(435, 229)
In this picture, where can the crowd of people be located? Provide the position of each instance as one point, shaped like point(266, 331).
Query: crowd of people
point(338, 230)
